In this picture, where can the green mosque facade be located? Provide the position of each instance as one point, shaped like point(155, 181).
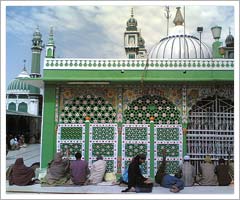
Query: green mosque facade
point(149, 101)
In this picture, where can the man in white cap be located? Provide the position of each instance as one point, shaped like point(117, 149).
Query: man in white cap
point(188, 172)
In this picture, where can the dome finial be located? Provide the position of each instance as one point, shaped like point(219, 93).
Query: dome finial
point(229, 30)
point(132, 12)
point(178, 20)
point(24, 65)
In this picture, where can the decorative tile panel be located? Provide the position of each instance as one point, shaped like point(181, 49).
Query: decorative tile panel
point(135, 140)
point(169, 137)
point(103, 141)
point(172, 167)
point(78, 108)
point(140, 110)
point(71, 137)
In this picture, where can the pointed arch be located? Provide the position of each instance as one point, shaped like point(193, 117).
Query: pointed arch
point(12, 106)
point(22, 107)
point(140, 110)
point(95, 107)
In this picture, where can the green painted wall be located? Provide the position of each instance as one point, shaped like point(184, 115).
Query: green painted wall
point(215, 48)
point(87, 125)
point(118, 76)
point(152, 150)
point(48, 130)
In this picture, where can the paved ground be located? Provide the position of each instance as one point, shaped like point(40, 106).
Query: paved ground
point(31, 154)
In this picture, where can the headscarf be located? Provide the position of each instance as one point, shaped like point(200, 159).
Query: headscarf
point(58, 168)
point(21, 174)
point(139, 156)
point(207, 159)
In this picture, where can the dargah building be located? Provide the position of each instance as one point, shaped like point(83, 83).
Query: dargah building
point(176, 95)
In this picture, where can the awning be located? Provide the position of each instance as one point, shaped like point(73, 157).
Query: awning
point(9, 112)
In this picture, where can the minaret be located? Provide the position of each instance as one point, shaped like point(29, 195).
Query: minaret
point(131, 37)
point(36, 53)
point(50, 47)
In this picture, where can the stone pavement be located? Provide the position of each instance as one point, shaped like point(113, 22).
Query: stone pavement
point(31, 154)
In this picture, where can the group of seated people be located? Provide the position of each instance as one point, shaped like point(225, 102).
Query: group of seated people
point(15, 142)
point(63, 171)
point(209, 175)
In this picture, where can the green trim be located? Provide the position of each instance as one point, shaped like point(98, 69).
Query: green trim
point(152, 149)
point(184, 140)
point(215, 49)
point(87, 133)
point(48, 132)
point(136, 75)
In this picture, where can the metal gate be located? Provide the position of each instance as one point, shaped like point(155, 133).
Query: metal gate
point(211, 129)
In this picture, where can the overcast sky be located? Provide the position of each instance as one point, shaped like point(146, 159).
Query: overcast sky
point(97, 31)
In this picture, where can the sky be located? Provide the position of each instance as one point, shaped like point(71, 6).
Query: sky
point(96, 31)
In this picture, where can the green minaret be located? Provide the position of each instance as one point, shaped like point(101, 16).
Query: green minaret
point(37, 47)
point(50, 47)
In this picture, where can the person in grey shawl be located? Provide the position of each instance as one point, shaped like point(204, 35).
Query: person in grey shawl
point(58, 171)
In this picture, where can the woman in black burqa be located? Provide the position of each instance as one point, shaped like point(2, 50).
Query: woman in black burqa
point(135, 177)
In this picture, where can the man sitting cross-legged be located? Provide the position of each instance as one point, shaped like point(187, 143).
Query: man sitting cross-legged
point(79, 170)
point(165, 180)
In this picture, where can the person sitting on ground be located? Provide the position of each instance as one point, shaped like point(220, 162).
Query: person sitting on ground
point(14, 143)
point(124, 178)
point(230, 164)
point(21, 141)
point(32, 139)
point(58, 171)
point(207, 175)
point(79, 170)
point(135, 177)
point(166, 180)
point(20, 174)
point(222, 172)
point(97, 171)
point(188, 172)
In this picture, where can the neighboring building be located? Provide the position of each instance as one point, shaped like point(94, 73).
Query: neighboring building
point(23, 100)
point(167, 98)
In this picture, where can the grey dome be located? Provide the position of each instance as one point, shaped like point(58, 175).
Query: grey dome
point(172, 47)
point(179, 44)
point(229, 41)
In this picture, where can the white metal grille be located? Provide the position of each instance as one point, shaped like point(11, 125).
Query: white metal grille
point(211, 130)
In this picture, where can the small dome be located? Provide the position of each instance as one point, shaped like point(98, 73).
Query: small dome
point(18, 86)
point(132, 23)
point(229, 41)
point(37, 33)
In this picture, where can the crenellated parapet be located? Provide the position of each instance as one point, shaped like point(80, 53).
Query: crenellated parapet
point(138, 64)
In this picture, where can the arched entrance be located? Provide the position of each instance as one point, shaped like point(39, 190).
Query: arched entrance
point(211, 129)
point(101, 135)
point(152, 123)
